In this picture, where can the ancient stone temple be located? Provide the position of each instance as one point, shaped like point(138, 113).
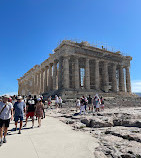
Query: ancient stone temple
point(78, 68)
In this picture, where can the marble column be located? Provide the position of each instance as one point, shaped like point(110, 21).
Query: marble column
point(54, 75)
point(46, 80)
point(121, 79)
point(114, 80)
point(19, 88)
point(50, 78)
point(76, 74)
point(66, 72)
point(42, 80)
point(96, 72)
point(39, 83)
point(60, 73)
point(36, 83)
point(33, 84)
point(87, 75)
point(105, 76)
point(128, 82)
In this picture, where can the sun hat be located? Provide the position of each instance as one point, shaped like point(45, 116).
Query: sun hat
point(19, 97)
point(38, 99)
point(6, 96)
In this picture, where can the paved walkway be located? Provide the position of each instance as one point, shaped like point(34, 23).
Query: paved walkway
point(53, 140)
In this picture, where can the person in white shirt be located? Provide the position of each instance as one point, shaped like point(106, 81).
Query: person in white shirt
point(77, 104)
point(56, 101)
point(6, 113)
point(60, 102)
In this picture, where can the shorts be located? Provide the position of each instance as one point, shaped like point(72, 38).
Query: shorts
point(102, 105)
point(17, 118)
point(30, 114)
point(5, 123)
point(90, 105)
point(49, 102)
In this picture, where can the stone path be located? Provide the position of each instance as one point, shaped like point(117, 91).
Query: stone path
point(53, 140)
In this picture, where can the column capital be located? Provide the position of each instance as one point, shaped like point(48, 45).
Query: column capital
point(87, 59)
point(46, 67)
point(42, 69)
point(127, 67)
point(67, 57)
point(50, 64)
point(121, 66)
point(55, 61)
point(76, 58)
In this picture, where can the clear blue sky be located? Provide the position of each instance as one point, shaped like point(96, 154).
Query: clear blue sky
point(31, 29)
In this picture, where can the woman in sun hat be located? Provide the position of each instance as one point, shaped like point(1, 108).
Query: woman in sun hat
point(39, 110)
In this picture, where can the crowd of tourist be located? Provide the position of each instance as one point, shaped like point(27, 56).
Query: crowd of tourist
point(22, 107)
point(90, 104)
point(18, 107)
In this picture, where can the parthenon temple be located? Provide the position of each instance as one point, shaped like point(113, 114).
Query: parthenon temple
point(78, 68)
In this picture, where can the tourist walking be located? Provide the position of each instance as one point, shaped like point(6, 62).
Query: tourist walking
point(19, 109)
point(43, 101)
point(85, 103)
point(49, 102)
point(35, 99)
point(102, 103)
point(60, 102)
point(56, 101)
point(39, 110)
point(96, 102)
point(77, 104)
point(82, 105)
point(6, 113)
point(13, 99)
point(90, 103)
point(30, 110)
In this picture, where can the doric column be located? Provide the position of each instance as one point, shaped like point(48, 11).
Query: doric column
point(42, 80)
point(33, 84)
point(96, 72)
point(87, 75)
point(121, 79)
point(60, 73)
point(50, 77)
point(19, 88)
point(36, 83)
point(105, 76)
point(128, 82)
point(39, 83)
point(54, 75)
point(114, 80)
point(76, 74)
point(66, 72)
point(46, 79)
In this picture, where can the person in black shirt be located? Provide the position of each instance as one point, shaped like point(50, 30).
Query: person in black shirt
point(30, 110)
point(90, 103)
point(82, 105)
